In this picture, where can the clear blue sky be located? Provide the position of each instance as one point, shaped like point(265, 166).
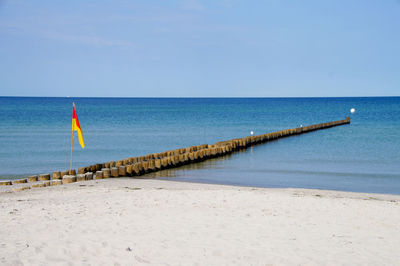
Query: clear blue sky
point(193, 48)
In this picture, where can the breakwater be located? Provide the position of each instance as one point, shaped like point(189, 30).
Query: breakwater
point(138, 166)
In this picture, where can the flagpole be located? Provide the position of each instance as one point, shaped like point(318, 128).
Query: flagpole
point(72, 140)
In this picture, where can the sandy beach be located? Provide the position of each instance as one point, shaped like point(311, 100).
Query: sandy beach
point(140, 221)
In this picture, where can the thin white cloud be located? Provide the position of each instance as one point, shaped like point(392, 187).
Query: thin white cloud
point(191, 5)
point(226, 3)
point(15, 29)
point(89, 40)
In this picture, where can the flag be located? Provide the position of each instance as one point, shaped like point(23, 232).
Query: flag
point(76, 126)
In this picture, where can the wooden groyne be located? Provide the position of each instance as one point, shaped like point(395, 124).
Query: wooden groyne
point(138, 166)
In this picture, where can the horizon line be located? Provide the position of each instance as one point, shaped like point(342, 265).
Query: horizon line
point(200, 97)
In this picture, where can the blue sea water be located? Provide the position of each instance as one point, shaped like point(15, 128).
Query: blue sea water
point(35, 137)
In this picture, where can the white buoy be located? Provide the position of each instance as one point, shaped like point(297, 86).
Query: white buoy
point(251, 133)
point(352, 110)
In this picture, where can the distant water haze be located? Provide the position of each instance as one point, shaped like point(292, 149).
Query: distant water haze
point(363, 156)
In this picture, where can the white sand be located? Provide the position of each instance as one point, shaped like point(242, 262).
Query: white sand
point(113, 222)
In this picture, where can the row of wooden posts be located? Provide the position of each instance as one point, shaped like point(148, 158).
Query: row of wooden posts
point(138, 166)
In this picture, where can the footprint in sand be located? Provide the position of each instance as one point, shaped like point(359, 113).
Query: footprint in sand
point(38, 250)
point(139, 259)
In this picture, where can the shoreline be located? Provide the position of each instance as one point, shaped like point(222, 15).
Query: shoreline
point(9, 189)
point(274, 188)
point(197, 185)
point(148, 221)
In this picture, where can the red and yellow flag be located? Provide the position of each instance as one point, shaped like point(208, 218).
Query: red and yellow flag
point(76, 126)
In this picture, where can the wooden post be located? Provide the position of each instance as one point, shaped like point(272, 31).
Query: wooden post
point(72, 139)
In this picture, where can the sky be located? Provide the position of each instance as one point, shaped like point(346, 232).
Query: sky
point(194, 48)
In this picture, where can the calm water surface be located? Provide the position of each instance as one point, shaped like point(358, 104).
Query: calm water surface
point(364, 156)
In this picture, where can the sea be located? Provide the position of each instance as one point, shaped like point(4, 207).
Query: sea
point(35, 138)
